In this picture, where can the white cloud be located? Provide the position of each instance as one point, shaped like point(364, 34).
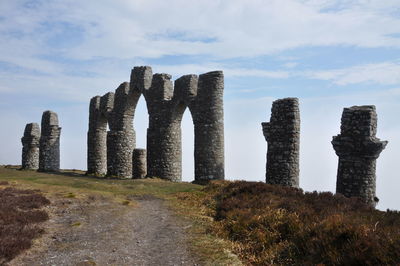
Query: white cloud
point(109, 37)
point(179, 70)
point(290, 64)
point(131, 29)
point(387, 73)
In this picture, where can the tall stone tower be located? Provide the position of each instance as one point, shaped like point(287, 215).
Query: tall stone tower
point(49, 154)
point(283, 136)
point(358, 148)
point(30, 147)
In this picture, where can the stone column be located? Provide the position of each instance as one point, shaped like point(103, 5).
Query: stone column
point(99, 109)
point(139, 160)
point(121, 138)
point(164, 133)
point(49, 154)
point(283, 136)
point(30, 147)
point(96, 140)
point(208, 121)
point(358, 148)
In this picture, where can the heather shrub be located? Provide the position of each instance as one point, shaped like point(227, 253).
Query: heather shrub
point(19, 215)
point(271, 224)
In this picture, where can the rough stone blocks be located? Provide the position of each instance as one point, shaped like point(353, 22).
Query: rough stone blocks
point(49, 153)
point(166, 103)
point(139, 163)
point(283, 136)
point(358, 148)
point(30, 147)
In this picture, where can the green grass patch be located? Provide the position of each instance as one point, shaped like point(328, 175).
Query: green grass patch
point(77, 181)
point(70, 195)
point(126, 202)
point(76, 224)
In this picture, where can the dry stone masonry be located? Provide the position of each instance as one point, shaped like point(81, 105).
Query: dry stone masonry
point(166, 103)
point(358, 148)
point(139, 163)
point(99, 111)
point(49, 152)
point(283, 136)
point(30, 147)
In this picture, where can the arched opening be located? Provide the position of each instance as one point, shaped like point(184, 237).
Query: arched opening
point(140, 123)
point(182, 119)
point(139, 154)
point(187, 147)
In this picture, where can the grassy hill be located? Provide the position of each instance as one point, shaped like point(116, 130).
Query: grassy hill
point(260, 223)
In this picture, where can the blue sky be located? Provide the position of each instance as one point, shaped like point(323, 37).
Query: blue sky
point(330, 53)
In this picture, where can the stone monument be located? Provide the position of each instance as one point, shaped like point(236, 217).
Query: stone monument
point(282, 134)
point(358, 148)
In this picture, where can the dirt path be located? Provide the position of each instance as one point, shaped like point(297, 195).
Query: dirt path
point(101, 232)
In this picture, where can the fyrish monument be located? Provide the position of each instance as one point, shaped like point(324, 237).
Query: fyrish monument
point(110, 153)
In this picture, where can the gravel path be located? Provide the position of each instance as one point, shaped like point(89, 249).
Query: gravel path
point(102, 232)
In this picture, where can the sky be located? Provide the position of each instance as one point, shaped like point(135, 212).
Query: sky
point(57, 54)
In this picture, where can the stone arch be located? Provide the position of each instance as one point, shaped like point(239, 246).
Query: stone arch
point(166, 104)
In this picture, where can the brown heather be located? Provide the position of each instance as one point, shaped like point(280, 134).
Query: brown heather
point(19, 215)
point(271, 224)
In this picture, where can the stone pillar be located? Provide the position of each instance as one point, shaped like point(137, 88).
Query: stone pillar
point(30, 147)
point(96, 140)
point(283, 136)
point(164, 157)
point(121, 138)
point(49, 153)
point(139, 161)
point(208, 121)
point(99, 109)
point(358, 148)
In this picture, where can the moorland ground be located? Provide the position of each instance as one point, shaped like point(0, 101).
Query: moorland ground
point(222, 223)
point(97, 221)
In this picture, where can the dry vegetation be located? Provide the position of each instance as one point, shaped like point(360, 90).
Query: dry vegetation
point(273, 225)
point(74, 185)
point(19, 217)
point(262, 224)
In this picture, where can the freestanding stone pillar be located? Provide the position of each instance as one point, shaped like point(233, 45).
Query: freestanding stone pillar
point(139, 161)
point(358, 148)
point(283, 136)
point(30, 147)
point(49, 154)
point(208, 119)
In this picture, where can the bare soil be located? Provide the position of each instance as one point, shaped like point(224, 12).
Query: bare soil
point(100, 231)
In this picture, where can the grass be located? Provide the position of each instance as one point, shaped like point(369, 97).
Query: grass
point(210, 249)
point(76, 224)
point(75, 182)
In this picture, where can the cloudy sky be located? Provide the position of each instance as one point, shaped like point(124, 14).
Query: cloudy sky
point(57, 54)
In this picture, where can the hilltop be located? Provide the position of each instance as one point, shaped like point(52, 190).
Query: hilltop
point(223, 223)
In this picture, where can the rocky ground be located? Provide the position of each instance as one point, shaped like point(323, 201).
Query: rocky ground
point(95, 230)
